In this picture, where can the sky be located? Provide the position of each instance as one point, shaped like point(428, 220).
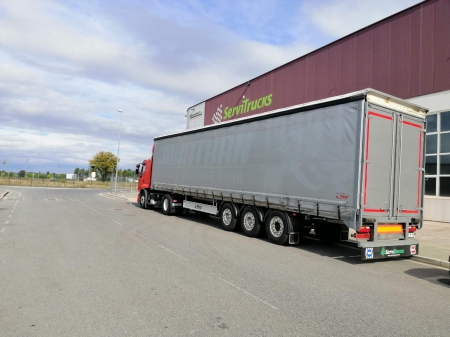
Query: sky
point(66, 67)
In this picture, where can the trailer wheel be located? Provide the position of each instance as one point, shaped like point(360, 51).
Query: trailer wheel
point(228, 217)
point(250, 223)
point(277, 227)
point(165, 202)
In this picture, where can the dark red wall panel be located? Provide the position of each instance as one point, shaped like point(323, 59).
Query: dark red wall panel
point(381, 74)
point(406, 55)
point(441, 45)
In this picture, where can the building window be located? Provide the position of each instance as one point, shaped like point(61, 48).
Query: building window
point(437, 155)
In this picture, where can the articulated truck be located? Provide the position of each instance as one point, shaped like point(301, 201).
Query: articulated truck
point(347, 168)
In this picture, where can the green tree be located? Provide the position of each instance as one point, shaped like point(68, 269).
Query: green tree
point(11, 174)
point(105, 163)
point(21, 173)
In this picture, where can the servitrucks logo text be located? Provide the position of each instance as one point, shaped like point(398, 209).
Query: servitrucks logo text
point(388, 252)
point(243, 108)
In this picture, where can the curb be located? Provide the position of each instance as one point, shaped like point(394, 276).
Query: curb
point(429, 260)
point(119, 196)
point(3, 195)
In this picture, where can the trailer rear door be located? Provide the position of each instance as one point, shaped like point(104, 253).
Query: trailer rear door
point(409, 166)
point(393, 164)
point(378, 163)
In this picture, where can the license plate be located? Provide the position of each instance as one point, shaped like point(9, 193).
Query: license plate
point(411, 235)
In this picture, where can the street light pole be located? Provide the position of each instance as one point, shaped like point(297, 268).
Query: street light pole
point(118, 149)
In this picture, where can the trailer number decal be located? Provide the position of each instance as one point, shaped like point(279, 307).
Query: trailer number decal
point(369, 253)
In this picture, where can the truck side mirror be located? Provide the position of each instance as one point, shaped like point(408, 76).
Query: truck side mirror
point(137, 171)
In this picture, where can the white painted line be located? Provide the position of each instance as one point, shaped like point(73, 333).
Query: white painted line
point(172, 252)
point(6, 222)
point(9, 216)
point(93, 210)
point(117, 223)
point(3, 229)
point(245, 292)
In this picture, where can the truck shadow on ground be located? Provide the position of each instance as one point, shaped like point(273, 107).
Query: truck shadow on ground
point(436, 275)
point(339, 252)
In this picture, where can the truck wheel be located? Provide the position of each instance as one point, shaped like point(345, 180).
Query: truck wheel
point(277, 227)
point(250, 224)
point(143, 200)
point(228, 217)
point(166, 201)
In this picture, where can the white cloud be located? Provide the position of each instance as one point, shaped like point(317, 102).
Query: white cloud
point(338, 18)
point(66, 67)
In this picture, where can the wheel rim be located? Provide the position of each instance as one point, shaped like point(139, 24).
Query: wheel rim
point(142, 199)
point(166, 204)
point(249, 221)
point(276, 226)
point(226, 216)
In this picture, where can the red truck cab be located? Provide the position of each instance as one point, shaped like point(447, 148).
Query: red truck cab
point(144, 170)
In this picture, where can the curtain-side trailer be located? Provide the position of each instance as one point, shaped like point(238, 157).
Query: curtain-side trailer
point(349, 167)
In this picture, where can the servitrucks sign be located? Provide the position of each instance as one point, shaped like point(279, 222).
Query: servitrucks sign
point(247, 105)
point(370, 253)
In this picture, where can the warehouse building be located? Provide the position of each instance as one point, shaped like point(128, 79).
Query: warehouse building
point(406, 55)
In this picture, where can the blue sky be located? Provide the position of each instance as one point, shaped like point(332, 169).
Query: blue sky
point(67, 66)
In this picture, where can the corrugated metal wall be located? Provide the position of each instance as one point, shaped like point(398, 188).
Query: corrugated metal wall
point(406, 55)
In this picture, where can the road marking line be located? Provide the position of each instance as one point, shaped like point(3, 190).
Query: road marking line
point(171, 251)
point(9, 216)
point(3, 229)
point(117, 223)
point(245, 292)
point(94, 210)
point(6, 222)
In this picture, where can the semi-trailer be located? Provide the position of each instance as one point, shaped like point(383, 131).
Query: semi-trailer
point(347, 168)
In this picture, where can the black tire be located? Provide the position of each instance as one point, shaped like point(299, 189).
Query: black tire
point(165, 204)
point(250, 222)
point(143, 202)
point(277, 227)
point(228, 217)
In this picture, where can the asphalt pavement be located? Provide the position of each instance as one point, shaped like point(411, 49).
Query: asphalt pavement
point(434, 237)
point(82, 262)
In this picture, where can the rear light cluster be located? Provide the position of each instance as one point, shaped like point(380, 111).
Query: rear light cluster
point(383, 230)
point(363, 233)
